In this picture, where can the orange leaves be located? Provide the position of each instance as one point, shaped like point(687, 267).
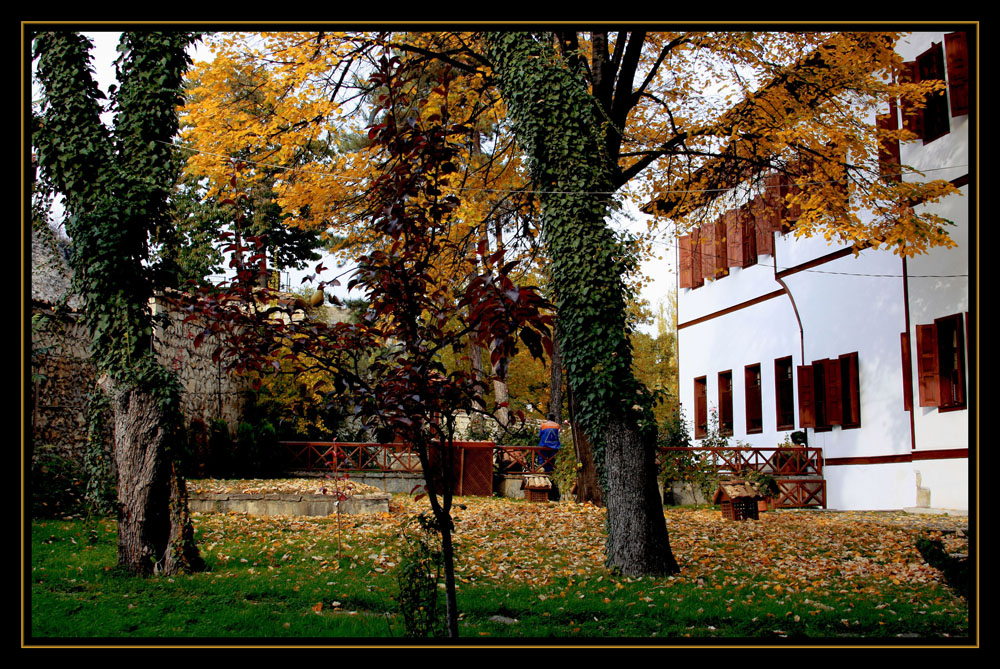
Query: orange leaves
point(559, 547)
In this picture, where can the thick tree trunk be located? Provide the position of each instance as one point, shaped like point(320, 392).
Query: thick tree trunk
point(552, 114)
point(638, 542)
point(154, 532)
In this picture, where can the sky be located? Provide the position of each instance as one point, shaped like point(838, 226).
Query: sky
point(661, 272)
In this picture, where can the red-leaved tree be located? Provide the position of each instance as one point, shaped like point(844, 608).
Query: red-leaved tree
point(389, 365)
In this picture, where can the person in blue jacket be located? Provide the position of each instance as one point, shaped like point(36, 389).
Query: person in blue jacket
point(548, 441)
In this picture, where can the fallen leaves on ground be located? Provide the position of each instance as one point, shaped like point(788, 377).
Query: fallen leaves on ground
point(297, 486)
point(805, 551)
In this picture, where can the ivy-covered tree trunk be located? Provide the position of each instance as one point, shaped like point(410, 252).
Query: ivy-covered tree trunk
point(115, 185)
point(554, 121)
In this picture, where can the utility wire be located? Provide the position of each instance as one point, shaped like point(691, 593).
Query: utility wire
point(503, 190)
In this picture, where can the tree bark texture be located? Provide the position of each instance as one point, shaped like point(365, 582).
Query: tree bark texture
point(588, 485)
point(154, 531)
point(638, 542)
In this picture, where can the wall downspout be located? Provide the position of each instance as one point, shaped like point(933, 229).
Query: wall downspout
point(906, 324)
point(795, 310)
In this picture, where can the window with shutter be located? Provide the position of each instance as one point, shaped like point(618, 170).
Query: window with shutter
point(951, 362)
point(726, 403)
point(834, 395)
point(755, 416)
point(700, 407)
point(784, 399)
point(930, 121)
point(830, 393)
point(957, 51)
point(931, 67)
point(820, 396)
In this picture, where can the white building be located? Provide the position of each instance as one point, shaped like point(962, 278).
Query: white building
point(871, 355)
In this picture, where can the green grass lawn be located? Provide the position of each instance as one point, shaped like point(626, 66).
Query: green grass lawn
point(525, 571)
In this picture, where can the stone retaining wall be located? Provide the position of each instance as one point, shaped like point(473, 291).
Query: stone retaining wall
point(285, 504)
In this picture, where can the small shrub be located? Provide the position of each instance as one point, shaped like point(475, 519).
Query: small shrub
point(57, 485)
point(417, 576)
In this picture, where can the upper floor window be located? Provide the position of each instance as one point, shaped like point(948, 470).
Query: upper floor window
point(930, 121)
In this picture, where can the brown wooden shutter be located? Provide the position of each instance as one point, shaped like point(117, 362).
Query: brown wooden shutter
point(734, 238)
point(850, 380)
point(776, 188)
point(707, 245)
point(904, 347)
point(697, 257)
point(913, 118)
point(748, 237)
point(935, 113)
point(794, 211)
point(684, 262)
point(888, 149)
point(807, 407)
point(957, 51)
point(765, 240)
point(834, 390)
point(721, 247)
point(927, 366)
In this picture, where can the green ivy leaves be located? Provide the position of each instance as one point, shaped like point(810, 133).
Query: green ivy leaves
point(554, 121)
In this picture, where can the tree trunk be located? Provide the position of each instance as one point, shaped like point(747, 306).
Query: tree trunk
point(154, 531)
point(476, 421)
point(588, 485)
point(638, 542)
point(552, 113)
point(448, 559)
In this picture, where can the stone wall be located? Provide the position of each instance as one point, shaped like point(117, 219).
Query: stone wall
point(63, 376)
point(210, 393)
